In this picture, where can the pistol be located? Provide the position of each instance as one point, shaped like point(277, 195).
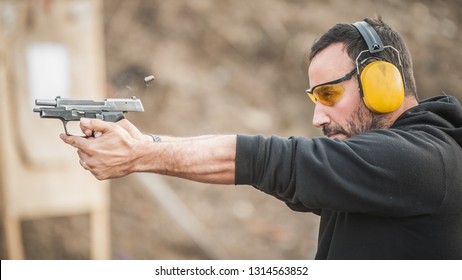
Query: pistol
point(68, 109)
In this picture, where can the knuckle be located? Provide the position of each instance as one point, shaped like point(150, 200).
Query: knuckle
point(98, 175)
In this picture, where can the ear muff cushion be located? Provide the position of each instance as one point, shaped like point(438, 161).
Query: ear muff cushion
point(382, 87)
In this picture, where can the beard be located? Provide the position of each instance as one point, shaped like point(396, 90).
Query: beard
point(361, 120)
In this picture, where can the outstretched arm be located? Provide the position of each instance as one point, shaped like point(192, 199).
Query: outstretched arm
point(120, 149)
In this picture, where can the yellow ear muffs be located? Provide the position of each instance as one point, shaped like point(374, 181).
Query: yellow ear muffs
point(382, 87)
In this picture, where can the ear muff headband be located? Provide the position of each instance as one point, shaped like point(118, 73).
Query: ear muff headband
point(373, 41)
point(381, 83)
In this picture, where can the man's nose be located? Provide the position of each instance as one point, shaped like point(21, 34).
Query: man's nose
point(320, 116)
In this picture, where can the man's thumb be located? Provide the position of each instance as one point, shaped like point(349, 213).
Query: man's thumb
point(93, 125)
point(130, 128)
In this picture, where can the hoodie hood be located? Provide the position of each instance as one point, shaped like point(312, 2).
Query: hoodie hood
point(441, 112)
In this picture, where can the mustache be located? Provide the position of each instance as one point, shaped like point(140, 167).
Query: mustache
point(328, 130)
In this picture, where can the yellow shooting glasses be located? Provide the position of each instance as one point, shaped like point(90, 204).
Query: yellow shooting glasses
point(329, 93)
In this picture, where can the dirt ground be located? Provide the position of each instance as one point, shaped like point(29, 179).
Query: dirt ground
point(232, 66)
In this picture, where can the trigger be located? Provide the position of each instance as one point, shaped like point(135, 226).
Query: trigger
point(65, 128)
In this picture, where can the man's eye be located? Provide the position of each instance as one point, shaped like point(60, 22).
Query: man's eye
point(327, 95)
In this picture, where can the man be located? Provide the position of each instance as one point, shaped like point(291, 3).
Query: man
point(386, 180)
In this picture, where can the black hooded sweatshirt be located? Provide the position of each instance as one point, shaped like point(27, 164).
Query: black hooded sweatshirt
point(384, 194)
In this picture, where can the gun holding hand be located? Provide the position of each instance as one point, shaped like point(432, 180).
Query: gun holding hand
point(68, 109)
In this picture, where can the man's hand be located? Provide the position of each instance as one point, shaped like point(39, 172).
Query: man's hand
point(114, 150)
point(109, 153)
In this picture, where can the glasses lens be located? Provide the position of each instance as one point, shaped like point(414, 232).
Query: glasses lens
point(327, 94)
point(312, 97)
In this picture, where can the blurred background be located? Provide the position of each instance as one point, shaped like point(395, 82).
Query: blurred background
point(231, 66)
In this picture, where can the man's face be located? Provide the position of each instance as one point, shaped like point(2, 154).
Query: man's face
point(348, 116)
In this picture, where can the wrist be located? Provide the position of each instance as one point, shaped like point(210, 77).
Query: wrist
point(141, 155)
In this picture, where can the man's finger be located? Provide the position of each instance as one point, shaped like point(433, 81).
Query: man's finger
point(83, 164)
point(83, 156)
point(130, 128)
point(75, 141)
point(89, 126)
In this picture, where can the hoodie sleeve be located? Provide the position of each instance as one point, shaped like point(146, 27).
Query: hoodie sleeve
point(381, 172)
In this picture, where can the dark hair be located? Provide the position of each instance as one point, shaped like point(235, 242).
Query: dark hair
point(354, 44)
